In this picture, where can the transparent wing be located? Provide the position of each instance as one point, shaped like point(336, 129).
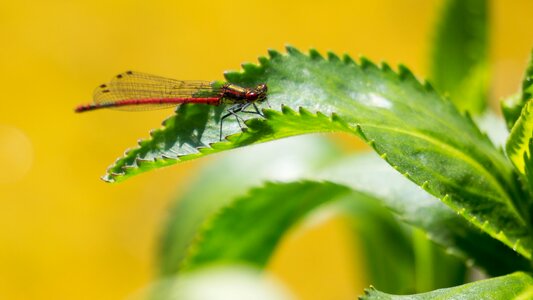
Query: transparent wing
point(138, 86)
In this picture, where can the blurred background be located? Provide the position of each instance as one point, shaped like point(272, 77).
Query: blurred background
point(64, 233)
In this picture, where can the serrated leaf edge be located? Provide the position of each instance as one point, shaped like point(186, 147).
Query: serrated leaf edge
point(518, 142)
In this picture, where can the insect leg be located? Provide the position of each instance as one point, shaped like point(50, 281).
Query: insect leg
point(232, 111)
point(256, 112)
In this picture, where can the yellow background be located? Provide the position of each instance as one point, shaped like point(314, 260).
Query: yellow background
point(64, 234)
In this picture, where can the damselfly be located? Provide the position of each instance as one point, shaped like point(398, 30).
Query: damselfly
point(140, 91)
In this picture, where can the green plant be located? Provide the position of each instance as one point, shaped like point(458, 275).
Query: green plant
point(475, 202)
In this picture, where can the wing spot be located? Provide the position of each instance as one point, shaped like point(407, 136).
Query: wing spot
point(105, 91)
point(103, 86)
point(119, 76)
point(129, 72)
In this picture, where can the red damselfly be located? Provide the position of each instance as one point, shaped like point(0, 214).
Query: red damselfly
point(140, 91)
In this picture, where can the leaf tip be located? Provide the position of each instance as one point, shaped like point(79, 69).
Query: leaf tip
point(347, 59)
point(232, 75)
point(425, 185)
point(461, 211)
point(108, 178)
point(367, 292)
point(428, 86)
point(291, 50)
point(485, 225)
point(385, 67)
point(250, 67)
point(287, 110)
point(274, 53)
point(405, 73)
point(315, 55)
point(332, 57)
point(366, 63)
point(516, 244)
point(263, 61)
point(304, 112)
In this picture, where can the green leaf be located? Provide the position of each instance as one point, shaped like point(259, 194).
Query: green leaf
point(179, 139)
point(371, 175)
point(409, 124)
point(528, 158)
point(417, 132)
point(513, 286)
point(522, 130)
point(229, 176)
point(270, 211)
point(459, 61)
point(513, 106)
point(527, 83)
point(275, 209)
point(518, 142)
point(519, 152)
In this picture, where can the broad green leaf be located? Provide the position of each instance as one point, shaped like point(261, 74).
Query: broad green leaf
point(528, 159)
point(459, 61)
point(371, 175)
point(250, 228)
point(231, 176)
point(527, 83)
point(418, 133)
point(519, 152)
point(275, 209)
point(187, 136)
point(513, 106)
point(513, 286)
point(409, 124)
point(518, 142)
point(522, 130)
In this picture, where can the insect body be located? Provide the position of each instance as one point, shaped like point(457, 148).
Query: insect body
point(141, 91)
